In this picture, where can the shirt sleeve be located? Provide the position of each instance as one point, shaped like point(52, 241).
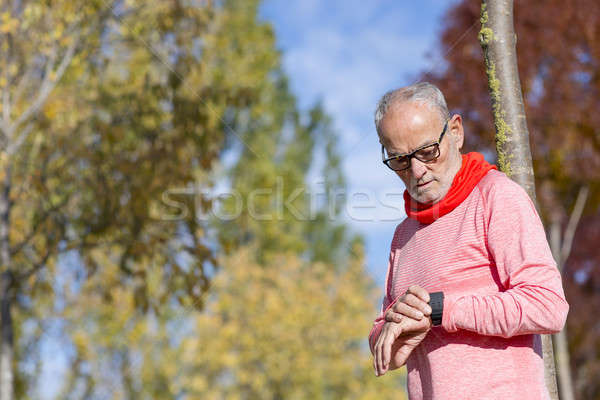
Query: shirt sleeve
point(532, 299)
point(387, 302)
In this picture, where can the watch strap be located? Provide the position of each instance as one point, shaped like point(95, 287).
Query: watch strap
point(436, 301)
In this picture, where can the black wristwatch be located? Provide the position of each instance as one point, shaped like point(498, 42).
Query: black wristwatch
point(436, 301)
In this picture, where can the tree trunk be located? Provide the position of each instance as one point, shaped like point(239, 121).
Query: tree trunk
point(6, 282)
point(6, 347)
point(563, 365)
point(498, 40)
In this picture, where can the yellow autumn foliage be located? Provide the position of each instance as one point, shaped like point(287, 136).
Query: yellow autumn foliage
point(285, 330)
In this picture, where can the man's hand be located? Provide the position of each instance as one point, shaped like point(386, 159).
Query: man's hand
point(408, 322)
point(396, 341)
point(403, 347)
point(412, 304)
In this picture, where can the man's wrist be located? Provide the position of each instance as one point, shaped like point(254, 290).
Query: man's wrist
point(436, 301)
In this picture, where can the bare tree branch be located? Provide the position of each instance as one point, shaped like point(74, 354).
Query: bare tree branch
point(5, 120)
point(561, 252)
point(5, 130)
point(50, 81)
point(6, 101)
point(567, 243)
point(25, 78)
point(15, 145)
point(555, 239)
point(36, 265)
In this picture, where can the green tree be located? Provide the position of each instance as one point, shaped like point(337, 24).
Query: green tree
point(38, 43)
point(120, 153)
point(106, 105)
point(282, 211)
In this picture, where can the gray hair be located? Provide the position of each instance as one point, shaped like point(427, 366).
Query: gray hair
point(423, 92)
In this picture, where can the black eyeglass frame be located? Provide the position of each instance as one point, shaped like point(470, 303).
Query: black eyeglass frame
point(414, 152)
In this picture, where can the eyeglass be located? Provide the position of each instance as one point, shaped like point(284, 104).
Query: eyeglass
point(426, 154)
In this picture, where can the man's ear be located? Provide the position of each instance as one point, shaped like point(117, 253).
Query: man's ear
point(382, 141)
point(456, 130)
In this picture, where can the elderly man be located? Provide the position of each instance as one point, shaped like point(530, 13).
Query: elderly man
point(471, 282)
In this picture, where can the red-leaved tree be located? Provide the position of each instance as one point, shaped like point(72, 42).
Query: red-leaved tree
point(558, 45)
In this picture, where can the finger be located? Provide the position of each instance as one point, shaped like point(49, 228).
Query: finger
point(384, 337)
point(380, 368)
point(388, 344)
point(391, 316)
point(395, 313)
point(419, 292)
point(378, 355)
point(375, 365)
point(412, 301)
point(417, 303)
point(375, 358)
point(378, 359)
point(379, 363)
point(387, 354)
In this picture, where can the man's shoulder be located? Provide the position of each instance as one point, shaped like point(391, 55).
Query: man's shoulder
point(497, 183)
point(497, 188)
point(404, 229)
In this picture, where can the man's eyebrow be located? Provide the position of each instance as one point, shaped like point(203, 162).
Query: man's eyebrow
point(394, 154)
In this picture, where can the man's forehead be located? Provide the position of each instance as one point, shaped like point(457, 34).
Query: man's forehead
point(409, 125)
point(412, 111)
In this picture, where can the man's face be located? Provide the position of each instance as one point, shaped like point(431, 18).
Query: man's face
point(409, 126)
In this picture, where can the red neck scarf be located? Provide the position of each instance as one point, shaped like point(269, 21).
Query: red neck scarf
point(473, 168)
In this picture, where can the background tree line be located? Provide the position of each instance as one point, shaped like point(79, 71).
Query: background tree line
point(117, 121)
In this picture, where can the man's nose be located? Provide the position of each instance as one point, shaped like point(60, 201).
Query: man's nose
point(417, 168)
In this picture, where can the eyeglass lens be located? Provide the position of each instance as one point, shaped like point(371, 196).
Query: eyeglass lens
point(425, 154)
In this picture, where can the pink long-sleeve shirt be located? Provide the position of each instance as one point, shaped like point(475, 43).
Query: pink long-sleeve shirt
point(501, 290)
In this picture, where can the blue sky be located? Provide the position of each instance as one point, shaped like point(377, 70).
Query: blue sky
point(347, 54)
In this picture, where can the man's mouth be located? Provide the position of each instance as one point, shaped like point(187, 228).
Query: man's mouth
point(420, 185)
